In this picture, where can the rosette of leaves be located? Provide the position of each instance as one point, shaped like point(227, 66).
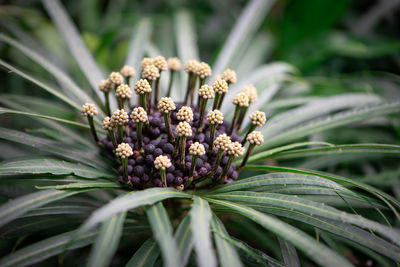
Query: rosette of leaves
point(302, 199)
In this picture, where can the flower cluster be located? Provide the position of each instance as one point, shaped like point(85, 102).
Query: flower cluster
point(176, 144)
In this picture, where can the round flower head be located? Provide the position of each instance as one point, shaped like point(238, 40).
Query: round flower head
point(166, 105)
point(255, 138)
point(108, 124)
point(160, 63)
point(197, 149)
point(220, 86)
point(192, 66)
point(235, 149)
point(215, 117)
point(241, 100)
point(162, 162)
point(185, 114)
point(139, 115)
point(147, 61)
point(142, 86)
point(174, 63)
point(116, 78)
point(120, 117)
point(203, 70)
point(222, 142)
point(123, 91)
point(151, 73)
point(229, 76)
point(128, 71)
point(183, 129)
point(251, 92)
point(89, 110)
point(258, 118)
point(206, 92)
point(123, 151)
point(106, 86)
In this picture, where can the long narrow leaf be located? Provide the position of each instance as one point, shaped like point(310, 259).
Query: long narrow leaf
point(146, 255)
point(184, 240)
point(289, 254)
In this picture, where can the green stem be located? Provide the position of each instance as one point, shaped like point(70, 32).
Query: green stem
point(157, 89)
point(123, 103)
point(93, 129)
point(142, 101)
point(212, 135)
point(163, 177)
point(192, 89)
point(171, 81)
point(192, 168)
point(216, 101)
point(246, 157)
point(128, 80)
point(148, 99)
point(107, 100)
point(125, 167)
point(252, 128)
point(112, 137)
point(120, 132)
point(188, 88)
point(167, 121)
point(235, 118)
point(241, 117)
point(202, 82)
point(203, 104)
point(226, 170)
point(182, 150)
point(220, 101)
point(217, 160)
point(139, 127)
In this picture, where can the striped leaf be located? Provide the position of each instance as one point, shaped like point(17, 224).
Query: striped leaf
point(184, 240)
point(146, 255)
point(289, 254)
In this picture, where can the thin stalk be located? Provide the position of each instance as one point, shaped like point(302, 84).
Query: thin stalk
point(107, 100)
point(123, 103)
point(192, 90)
point(112, 137)
point(252, 128)
point(171, 81)
point(120, 133)
point(192, 168)
point(241, 118)
point(139, 126)
point(182, 148)
point(163, 177)
point(202, 82)
point(212, 135)
point(226, 170)
point(125, 167)
point(148, 99)
point(142, 101)
point(93, 129)
point(235, 118)
point(216, 101)
point(128, 80)
point(203, 104)
point(217, 160)
point(167, 120)
point(246, 156)
point(188, 87)
point(157, 89)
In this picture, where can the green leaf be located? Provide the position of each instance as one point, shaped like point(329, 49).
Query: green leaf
point(330, 122)
point(82, 185)
point(227, 254)
point(146, 255)
point(53, 166)
point(19, 206)
point(130, 201)
point(186, 36)
point(184, 240)
point(75, 43)
point(162, 232)
point(45, 249)
point(316, 251)
point(107, 241)
point(289, 254)
point(200, 217)
point(55, 148)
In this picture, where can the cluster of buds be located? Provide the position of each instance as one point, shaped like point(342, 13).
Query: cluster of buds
point(175, 144)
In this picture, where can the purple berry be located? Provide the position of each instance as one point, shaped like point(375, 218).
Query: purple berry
point(204, 157)
point(121, 179)
point(188, 165)
point(188, 158)
point(146, 140)
point(145, 178)
point(203, 171)
point(189, 143)
point(154, 142)
point(200, 138)
point(195, 175)
point(131, 162)
point(234, 175)
point(133, 135)
point(157, 182)
point(171, 168)
point(170, 178)
point(178, 173)
point(150, 159)
point(135, 180)
point(155, 132)
point(168, 148)
point(185, 179)
point(138, 171)
point(110, 146)
point(207, 166)
point(155, 122)
point(130, 169)
point(157, 152)
point(148, 149)
point(219, 171)
point(224, 160)
point(199, 163)
point(178, 181)
point(140, 160)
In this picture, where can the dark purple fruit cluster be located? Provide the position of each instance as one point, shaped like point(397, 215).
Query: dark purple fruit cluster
point(141, 170)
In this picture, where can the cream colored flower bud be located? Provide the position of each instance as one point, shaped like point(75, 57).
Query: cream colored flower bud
point(206, 92)
point(147, 61)
point(255, 138)
point(120, 117)
point(251, 92)
point(197, 149)
point(116, 78)
point(222, 142)
point(258, 118)
point(192, 66)
point(162, 162)
point(123, 91)
point(183, 129)
point(229, 76)
point(185, 113)
point(128, 71)
point(139, 115)
point(123, 151)
point(150, 73)
point(108, 124)
point(160, 63)
point(203, 70)
point(241, 100)
point(174, 63)
point(215, 117)
point(106, 86)
point(89, 110)
point(166, 105)
point(235, 149)
point(220, 86)
point(142, 87)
